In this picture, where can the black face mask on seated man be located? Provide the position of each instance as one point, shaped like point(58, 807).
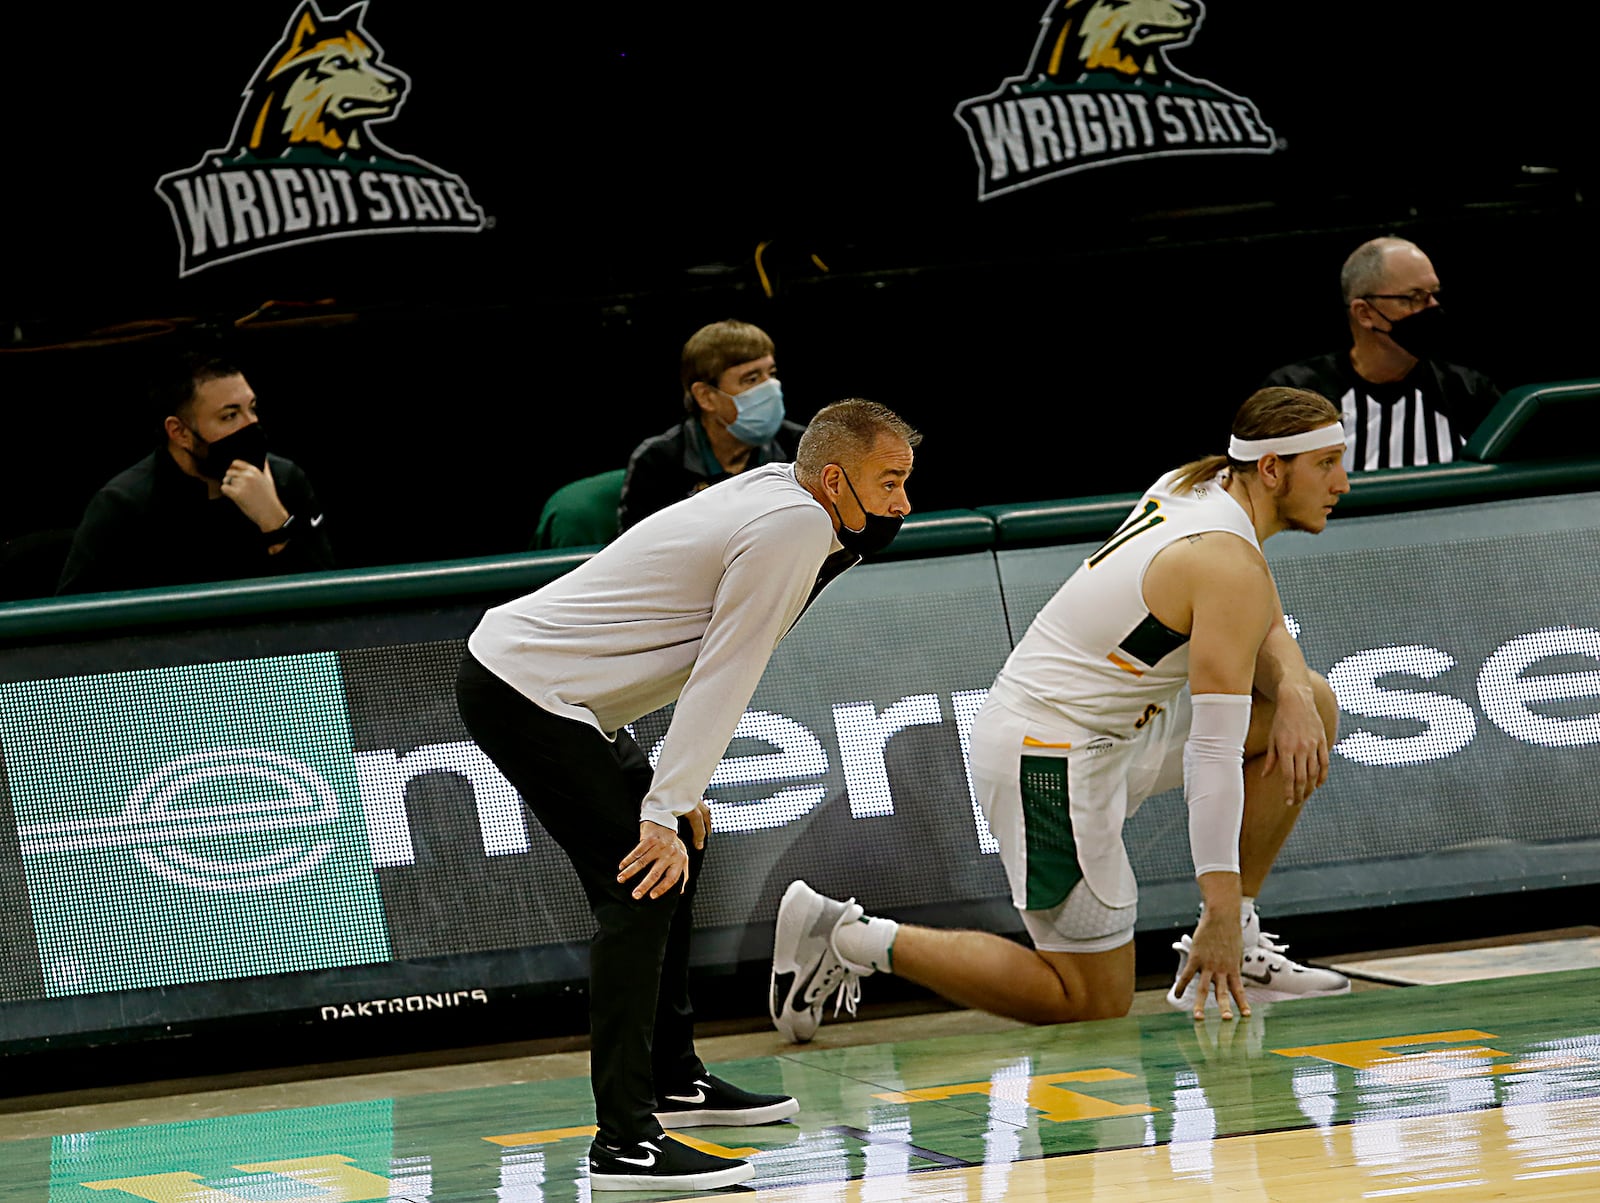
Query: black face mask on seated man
point(248, 443)
point(1422, 334)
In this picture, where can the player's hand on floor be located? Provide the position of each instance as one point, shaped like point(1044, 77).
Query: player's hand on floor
point(1216, 955)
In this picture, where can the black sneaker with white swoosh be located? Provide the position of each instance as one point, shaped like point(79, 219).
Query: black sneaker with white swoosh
point(708, 1101)
point(662, 1164)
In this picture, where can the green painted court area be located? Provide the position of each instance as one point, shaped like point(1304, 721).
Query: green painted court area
point(894, 1109)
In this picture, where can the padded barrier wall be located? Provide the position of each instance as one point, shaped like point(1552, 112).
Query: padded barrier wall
point(215, 806)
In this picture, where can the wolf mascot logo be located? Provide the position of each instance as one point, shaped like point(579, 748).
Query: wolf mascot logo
point(1128, 37)
point(1099, 90)
point(302, 164)
point(321, 88)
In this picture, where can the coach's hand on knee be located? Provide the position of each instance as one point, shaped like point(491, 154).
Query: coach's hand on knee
point(700, 823)
point(660, 856)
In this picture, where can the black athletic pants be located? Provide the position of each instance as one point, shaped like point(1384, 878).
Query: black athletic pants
point(585, 791)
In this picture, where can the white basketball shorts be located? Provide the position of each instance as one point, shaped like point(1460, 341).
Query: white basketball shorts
point(1056, 798)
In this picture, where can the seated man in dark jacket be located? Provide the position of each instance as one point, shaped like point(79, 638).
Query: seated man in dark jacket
point(1402, 404)
point(735, 421)
point(210, 504)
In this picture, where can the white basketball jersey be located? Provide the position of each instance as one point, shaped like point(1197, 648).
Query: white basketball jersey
point(1095, 656)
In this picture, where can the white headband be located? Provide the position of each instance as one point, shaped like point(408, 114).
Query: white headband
point(1289, 444)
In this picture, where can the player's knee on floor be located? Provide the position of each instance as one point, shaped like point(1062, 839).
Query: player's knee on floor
point(1103, 1005)
point(1087, 1005)
point(1092, 985)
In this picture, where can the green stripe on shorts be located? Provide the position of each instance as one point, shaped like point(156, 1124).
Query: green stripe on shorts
point(1052, 852)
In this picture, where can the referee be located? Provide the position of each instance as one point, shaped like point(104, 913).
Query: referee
point(1400, 401)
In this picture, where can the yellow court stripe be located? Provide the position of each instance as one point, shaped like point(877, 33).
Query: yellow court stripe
point(551, 1135)
point(544, 1137)
point(1539, 1150)
point(706, 1146)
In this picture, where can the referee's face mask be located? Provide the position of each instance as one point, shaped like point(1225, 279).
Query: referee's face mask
point(1421, 334)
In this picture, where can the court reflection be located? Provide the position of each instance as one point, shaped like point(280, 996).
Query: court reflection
point(1339, 1098)
point(342, 1152)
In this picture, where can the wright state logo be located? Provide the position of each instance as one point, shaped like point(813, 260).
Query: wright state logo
point(303, 164)
point(1099, 90)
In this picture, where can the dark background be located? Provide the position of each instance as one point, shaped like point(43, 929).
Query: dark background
point(1071, 339)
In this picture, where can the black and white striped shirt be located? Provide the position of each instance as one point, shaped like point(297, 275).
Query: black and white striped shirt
point(1424, 419)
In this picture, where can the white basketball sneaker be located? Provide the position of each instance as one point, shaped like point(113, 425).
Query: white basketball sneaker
point(1269, 976)
point(806, 967)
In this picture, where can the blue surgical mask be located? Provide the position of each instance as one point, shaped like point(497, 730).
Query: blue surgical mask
point(760, 413)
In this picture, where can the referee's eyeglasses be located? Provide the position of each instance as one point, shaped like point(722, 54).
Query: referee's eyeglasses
point(1417, 298)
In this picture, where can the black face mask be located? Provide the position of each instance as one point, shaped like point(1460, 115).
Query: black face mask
point(1421, 334)
point(877, 530)
point(248, 443)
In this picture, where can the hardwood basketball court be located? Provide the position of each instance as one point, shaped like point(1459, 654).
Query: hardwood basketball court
point(1485, 1089)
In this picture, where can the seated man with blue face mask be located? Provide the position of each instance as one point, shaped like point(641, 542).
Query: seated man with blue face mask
point(734, 420)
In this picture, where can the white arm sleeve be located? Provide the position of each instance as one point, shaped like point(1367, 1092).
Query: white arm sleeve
point(1213, 779)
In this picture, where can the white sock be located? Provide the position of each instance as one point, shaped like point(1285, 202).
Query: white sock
point(868, 942)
